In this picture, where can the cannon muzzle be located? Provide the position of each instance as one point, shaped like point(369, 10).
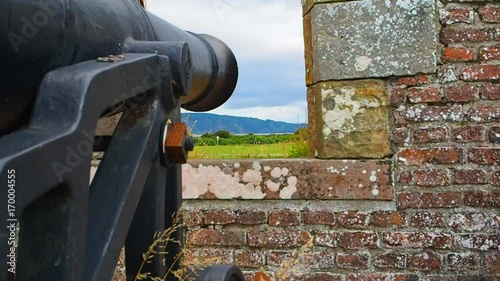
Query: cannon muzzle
point(39, 36)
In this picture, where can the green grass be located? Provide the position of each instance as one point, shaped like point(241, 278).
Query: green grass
point(279, 150)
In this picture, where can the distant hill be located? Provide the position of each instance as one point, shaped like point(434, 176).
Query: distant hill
point(207, 122)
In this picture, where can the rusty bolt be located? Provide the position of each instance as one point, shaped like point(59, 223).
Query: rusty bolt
point(177, 143)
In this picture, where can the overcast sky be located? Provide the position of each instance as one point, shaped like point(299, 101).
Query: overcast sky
point(266, 37)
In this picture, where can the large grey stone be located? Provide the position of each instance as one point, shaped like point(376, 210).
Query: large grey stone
point(373, 38)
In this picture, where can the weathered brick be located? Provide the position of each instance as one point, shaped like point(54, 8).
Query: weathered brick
point(278, 239)
point(405, 177)
point(382, 277)
point(398, 96)
point(275, 258)
point(318, 259)
point(456, 35)
point(357, 240)
point(468, 134)
point(430, 135)
point(424, 113)
point(456, 54)
point(470, 176)
point(317, 277)
point(353, 261)
point(487, 53)
point(495, 221)
point(192, 218)
point(399, 117)
point(495, 178)
point(478, 241)
point(490, 14)
point(494, 134)
point(487, 199)
point(220, 217)
point(428, 219)
point(432, 177)
point(467, 222)
point(400, 136)
point(484, 156)
point(481, 73)
point(352, 219)
point(417, 240)
point(326, 238)
point(492, 262)
point(249, 258)
point(447, 73)
point(484, 113)
point(211, 237)
point(385, 219)
point(426, 261)
point(468, 277)
point(218, 256)
point(462, 93)
point(428, 200)
point(445, 155)
point(419, 95)
point(463, 261)
point(319, 217)
point(390, 260)
point(251, 217)
point(284, 217)
point(450, 16)
point(491, 92)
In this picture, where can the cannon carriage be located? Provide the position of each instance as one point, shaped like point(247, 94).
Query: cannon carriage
point(64, 65)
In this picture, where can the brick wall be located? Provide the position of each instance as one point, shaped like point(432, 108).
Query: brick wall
point(442, 221)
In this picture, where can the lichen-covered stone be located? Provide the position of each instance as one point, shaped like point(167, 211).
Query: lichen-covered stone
point(349, 119)
point(359, 39)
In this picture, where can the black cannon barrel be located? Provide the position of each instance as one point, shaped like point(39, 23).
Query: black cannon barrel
point(37, 36)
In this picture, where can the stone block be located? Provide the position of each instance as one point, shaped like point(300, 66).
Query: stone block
point(349, 119)
point(360, 39)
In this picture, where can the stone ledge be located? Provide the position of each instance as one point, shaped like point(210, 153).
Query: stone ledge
point(301, 179)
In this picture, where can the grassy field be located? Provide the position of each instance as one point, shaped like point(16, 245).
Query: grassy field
point(279, 150)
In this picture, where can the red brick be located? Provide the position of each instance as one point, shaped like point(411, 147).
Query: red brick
point(484, 156)
point(469, 176)
point(490, 14)
point(484, 113)
point(467, 221)
point(494, 134)
point(417, 240)
point(432, 177)
point(399, 117)
point(468, 134)
point(192, 218)
point(326, 239)
point(251, 217)
point(398, 96)
point(390, 260)
point(318, 277)
point(419, 95)
point(487, 199)
point(353, 261)
point(456, 35)
point(405, 177)
point(415, 156)
point(220, 217)
point(495, 178)
point(478, 241)
point(218, 256)
point(407, 81)
point(495, 222)
point(319, 217)
point(463, 261)
point(352, 219)
point(427, 261)
point(473, 277)
point(385, 219)
point(492, 262)
point(211, 237)
point(400, 136)
point(318, 259)
point(357, 240)
point(275, 258)
point(450, 16)
point(491, 92)
point(423, 113)
point(382, 277)
point(428, 219)
point(463, 93)
point(456, 54)
point(284, 217)
point(249, 258)
point(278, 239)
point(489, 53)
point(481, 73)
point(430, 135)
point(428, 200)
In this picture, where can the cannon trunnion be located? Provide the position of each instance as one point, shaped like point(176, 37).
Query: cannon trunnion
point(66, 64)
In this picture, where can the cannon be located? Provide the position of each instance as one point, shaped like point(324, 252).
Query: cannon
point(65, 64)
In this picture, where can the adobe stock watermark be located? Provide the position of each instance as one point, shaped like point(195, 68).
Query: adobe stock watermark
point(222, 7)
point(31, 26)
